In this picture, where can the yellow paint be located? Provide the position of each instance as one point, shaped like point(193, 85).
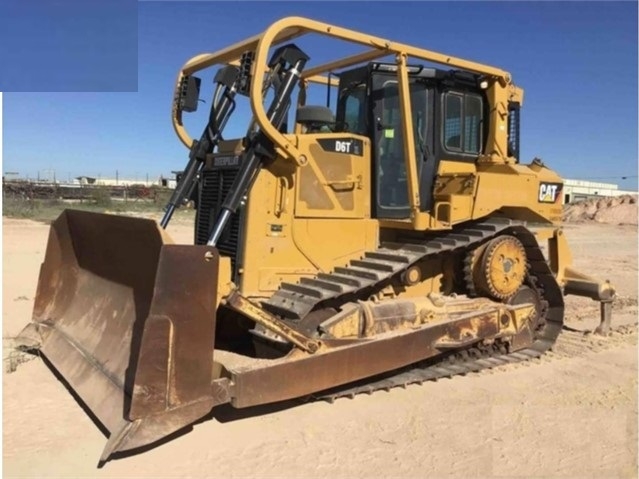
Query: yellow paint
point(308, 238)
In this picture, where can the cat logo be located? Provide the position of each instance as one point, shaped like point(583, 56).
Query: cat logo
point(549, 192)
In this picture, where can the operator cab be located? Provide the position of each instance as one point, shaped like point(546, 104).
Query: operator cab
point(449, 115)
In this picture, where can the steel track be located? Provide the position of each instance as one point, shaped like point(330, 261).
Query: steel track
point(463, 362)
point(295, 301)
point(574, 341)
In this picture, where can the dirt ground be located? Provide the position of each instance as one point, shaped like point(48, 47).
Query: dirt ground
point(572, 413)
point(611, 210)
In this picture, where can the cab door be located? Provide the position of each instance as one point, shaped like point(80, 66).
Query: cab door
point(390, 186)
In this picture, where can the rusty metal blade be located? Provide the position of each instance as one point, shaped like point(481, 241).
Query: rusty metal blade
point(128, 320)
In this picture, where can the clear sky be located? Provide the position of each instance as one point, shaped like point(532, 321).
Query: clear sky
point(577, 62)
point(68, 45)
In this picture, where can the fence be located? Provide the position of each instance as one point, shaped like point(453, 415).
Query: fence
point(59, 191)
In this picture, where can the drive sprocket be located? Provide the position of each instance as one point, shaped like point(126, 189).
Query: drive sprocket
point(497, 269)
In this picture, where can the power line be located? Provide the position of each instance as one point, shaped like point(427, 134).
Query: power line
point(609, 177)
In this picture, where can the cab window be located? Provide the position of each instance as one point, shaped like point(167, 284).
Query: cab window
point(354, 101)
point(462, 126)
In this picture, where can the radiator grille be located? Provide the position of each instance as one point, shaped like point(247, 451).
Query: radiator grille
point(214, 186)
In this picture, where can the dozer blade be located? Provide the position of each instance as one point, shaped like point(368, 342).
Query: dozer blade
point(128, 320)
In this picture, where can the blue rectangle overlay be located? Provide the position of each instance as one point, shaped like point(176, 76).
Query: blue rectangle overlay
point(68, 45)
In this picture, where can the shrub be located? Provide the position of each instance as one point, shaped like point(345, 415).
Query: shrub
point(101, 196)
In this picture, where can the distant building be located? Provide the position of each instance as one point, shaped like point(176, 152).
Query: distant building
point(84, 180)
point(576, 190)
point(103, 181)
point(120, 182)
point(168, 182)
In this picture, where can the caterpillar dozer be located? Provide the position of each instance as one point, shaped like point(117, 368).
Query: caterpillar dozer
point(391, 239)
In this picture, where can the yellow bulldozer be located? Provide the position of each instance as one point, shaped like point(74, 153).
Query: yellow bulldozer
point(392, 239)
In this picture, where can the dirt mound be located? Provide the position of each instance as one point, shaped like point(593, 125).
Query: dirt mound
point(617, 210)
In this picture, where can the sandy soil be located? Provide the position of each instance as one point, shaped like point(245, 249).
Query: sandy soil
point(572, 413)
